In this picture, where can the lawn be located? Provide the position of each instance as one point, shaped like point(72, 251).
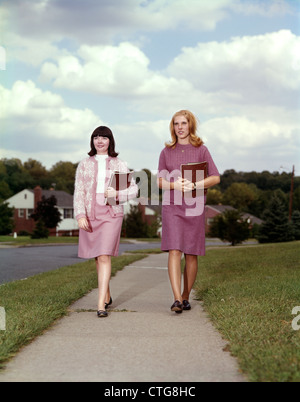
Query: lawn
point(32, 305)
point(27, 241)
point(249, 293)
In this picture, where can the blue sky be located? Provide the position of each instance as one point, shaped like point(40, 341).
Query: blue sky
point(71, 65)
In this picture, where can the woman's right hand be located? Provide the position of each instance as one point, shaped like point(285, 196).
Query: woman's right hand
point(83, 224)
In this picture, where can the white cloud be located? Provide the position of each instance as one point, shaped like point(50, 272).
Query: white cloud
point(178, 14)
point(94, 21)
point(37, 122)
point(39, 125)
point(38, 29)
point(247, 144)
point(31, 51)
point(121, 70)
point(226, 77)
point(258, 68)
point(251, 83)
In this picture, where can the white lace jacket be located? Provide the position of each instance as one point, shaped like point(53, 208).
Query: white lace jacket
point(86, 186)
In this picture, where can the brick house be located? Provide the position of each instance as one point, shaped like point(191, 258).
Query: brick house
point(26, 201)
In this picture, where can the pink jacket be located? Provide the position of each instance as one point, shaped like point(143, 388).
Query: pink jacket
point(86, 185)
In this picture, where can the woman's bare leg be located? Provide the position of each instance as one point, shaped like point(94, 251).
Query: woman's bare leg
point(190, 275)
point(174, 267)
point(104, 275)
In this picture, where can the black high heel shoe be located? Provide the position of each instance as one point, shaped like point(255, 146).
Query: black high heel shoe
point(108, 304)
point(186, 305)
point(177, 307)
point(102, 314)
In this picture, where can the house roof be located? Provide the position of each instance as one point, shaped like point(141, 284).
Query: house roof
point(220, 208)
point(64, 199)
point(246, 215)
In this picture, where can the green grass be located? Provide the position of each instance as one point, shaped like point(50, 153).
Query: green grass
point(146, 251)
point(32, 305)
point(249, 293)
point(27, 241)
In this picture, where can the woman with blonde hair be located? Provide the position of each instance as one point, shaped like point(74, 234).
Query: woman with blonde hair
point(183, 229)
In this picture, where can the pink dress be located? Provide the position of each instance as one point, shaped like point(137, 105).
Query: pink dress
point(105, 236)
point(183, 221)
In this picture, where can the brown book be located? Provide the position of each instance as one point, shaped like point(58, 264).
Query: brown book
point(189, 172)
point(119, 181)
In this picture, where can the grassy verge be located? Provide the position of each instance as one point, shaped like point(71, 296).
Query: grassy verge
point(146, 251)
point(249, 294)
point(27, 241)
point(32, 305)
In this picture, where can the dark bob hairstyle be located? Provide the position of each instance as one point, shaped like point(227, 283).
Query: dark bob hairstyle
point(103, 131)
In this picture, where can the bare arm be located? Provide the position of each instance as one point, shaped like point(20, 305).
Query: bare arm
point(208, 182)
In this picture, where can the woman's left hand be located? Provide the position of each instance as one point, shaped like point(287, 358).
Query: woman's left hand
point(111, 193)
point(183, 185)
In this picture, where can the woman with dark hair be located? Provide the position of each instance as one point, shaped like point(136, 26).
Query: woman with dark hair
point(100, 224)
point(183, 228)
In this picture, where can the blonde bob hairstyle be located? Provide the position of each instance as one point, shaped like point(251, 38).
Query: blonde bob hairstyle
point(193, 125)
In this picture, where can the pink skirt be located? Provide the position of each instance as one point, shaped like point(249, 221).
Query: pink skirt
point(105, 236)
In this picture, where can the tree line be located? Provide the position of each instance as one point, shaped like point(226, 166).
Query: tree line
point(246, 191)
point(16, 176)
point(265, 195)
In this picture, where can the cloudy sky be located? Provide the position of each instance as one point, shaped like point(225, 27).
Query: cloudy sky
point(68, 66)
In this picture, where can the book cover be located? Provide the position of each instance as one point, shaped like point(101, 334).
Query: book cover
point(119, 181)
point(192, 172)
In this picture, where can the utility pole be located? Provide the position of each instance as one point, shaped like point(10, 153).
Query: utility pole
point(291, 195)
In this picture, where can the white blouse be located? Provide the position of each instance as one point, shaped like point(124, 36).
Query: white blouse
point(101, 159)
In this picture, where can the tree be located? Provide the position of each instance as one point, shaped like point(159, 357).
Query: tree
point(40, 231)
point(296, 199)
point(135, 226)
point(230, 226)
point(62, 174)
point(240, 195)
point(6, 219)
point(214, 197)
point(47, 212)
point(276, 227)
point(5, 191)
point(35, 169)
point(13, 172)
point(296, 224)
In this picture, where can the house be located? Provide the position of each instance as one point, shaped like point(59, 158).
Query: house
point(213, 210)
point(26, 201)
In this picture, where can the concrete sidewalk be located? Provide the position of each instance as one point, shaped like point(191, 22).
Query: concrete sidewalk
point(140, 341)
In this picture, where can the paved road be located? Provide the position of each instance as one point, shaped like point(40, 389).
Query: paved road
point(21, 263)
